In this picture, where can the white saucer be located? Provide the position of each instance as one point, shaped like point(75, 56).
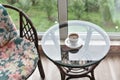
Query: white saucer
point(79, 43)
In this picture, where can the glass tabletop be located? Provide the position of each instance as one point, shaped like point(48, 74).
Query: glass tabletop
point(92, 46)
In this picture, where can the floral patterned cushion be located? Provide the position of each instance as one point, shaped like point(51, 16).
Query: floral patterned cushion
point(17, 60)
point(7, 28)
point(4, 37)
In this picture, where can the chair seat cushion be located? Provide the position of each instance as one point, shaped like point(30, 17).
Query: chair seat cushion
point(18, 59)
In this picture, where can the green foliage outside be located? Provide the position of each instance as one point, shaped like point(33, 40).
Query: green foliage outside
point(44, 13)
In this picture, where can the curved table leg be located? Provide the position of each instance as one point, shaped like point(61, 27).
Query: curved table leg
point(62, 76)
point(92, 75)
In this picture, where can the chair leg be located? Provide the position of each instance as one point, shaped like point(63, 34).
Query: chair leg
point(40, 67)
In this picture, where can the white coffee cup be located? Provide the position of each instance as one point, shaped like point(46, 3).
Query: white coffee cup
point(73, 38)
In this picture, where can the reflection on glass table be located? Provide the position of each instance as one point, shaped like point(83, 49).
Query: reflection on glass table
point(92, 46)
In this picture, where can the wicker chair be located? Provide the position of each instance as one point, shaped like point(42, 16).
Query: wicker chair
point(27, 31)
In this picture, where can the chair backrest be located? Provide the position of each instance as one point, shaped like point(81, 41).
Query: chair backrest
point(26, 28)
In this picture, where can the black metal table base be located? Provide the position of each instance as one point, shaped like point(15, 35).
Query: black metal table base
point(70, 73)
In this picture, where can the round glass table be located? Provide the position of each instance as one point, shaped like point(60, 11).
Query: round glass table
point(80, 59)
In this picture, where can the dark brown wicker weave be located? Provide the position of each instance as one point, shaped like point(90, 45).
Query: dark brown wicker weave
point(27, 31)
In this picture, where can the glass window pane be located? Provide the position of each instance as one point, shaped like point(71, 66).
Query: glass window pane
point(105, 13)
point(43, 13)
